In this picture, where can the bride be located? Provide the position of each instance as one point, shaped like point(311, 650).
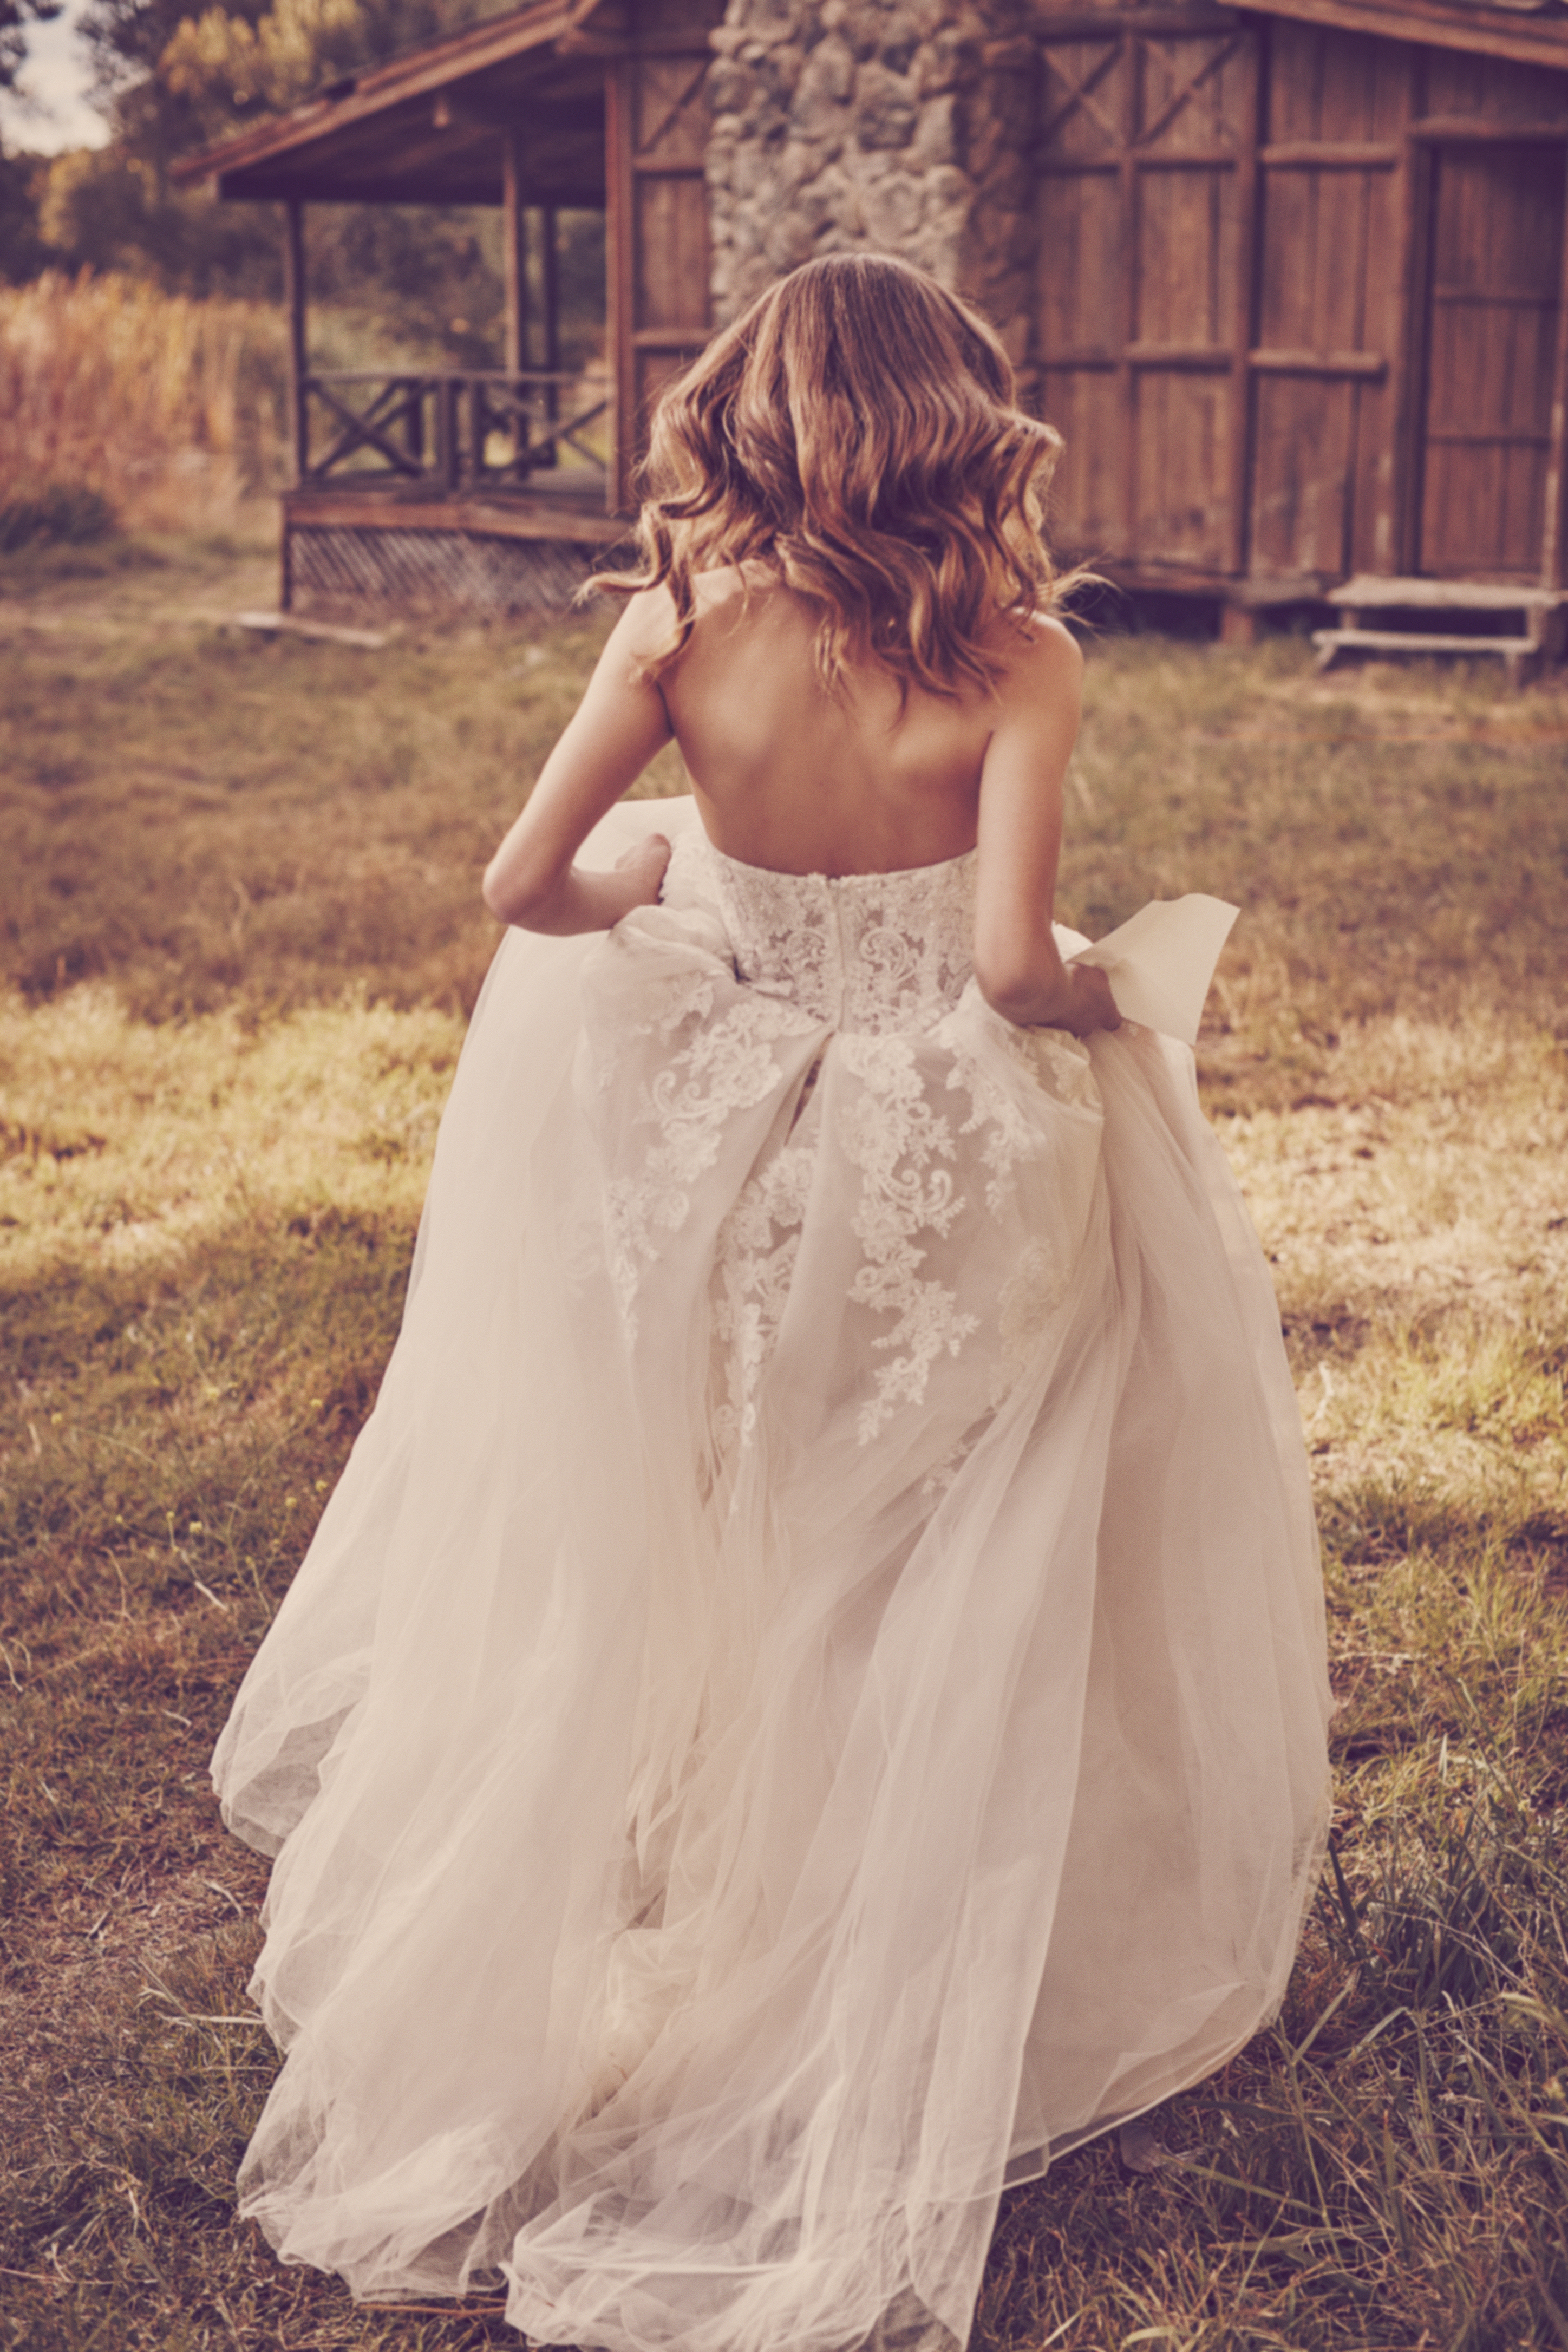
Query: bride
point(809, 1698)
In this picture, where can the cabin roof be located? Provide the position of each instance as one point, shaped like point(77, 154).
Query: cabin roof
point(1532, 32)
point(428, 127)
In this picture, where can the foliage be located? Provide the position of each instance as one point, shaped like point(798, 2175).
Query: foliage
point(231, 65)
point(211, 1156)
point(108, 208)
point(425, 279)
point(163, 406)
point(173, 409)
point(22, 252)
point(61, 514)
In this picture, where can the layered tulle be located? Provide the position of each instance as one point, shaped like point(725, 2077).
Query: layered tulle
point(809, 1696)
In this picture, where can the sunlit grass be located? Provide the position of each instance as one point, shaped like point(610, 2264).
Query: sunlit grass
point(239, 931)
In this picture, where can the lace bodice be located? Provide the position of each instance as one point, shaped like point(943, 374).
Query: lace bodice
point(869, 952)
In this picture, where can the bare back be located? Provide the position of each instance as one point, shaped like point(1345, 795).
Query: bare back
point(790, 777)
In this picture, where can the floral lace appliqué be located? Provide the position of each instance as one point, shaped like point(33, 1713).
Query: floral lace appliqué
point(894, 1138)
point(863, 951)
point(728, 1066)
point(758, 1244)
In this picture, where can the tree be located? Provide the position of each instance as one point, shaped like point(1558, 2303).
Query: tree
point(420, 284)
point(22, 252)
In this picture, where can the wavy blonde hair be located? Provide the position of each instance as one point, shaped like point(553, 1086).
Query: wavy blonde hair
point(856, 433)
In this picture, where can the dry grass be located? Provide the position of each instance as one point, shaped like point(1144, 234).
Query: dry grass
point(215, 818)
point(171, 407)
point(260, 860)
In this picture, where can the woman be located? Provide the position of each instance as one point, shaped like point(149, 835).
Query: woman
point(809, 1698)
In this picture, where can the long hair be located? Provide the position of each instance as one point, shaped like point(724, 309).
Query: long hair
point(856, 436)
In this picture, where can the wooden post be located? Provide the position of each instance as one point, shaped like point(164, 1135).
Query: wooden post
point(1410, 360)
point(1555, 520)
point(550, 257)
point(620, 230)
point(1241, 391)
point(550, 307)
point(448, 422)
point(1126, 374)
point(514, 264)
point(294, 302)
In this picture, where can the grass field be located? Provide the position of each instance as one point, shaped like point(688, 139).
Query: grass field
point(239, 933)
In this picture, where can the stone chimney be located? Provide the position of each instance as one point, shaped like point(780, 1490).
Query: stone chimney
point(898, 126)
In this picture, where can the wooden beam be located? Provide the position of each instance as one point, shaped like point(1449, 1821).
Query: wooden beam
point(1463, 130)
point(1331, 155)
point(570, 196)
point(1188, 159)
point(669, 339)
point(1486, 32)
point(550, 517)
point(514, 252)
point(1366, 364)
point(1154, 23)
point(680, 43)
point(294, 307)
point(1188, 359)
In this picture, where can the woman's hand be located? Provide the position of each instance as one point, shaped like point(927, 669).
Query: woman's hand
point(644, 868)
point(619, 725)
point(1087, 1003)
point(1075, 997)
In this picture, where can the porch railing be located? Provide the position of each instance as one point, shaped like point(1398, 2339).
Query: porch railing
point(451, 429)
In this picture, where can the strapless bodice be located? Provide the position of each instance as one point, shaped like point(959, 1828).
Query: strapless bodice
point(867, 952)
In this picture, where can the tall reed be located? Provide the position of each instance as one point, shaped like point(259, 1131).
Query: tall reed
point(171, 408)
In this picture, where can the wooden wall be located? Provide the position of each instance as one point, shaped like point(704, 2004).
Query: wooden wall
point(657, 119)
point(1301, 307)
point(1144, 161)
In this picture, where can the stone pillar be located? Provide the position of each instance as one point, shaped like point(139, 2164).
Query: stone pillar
point(899, 126)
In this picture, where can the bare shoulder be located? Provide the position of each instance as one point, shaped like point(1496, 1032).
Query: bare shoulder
point(1040, 653)
point(646, 623)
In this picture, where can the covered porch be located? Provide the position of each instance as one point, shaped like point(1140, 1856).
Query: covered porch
point(495, 489)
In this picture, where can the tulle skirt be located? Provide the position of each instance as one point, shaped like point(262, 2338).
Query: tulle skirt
point(809, 1698)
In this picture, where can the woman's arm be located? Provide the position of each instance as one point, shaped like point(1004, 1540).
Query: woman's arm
point(1017, 963)
point(618, 726)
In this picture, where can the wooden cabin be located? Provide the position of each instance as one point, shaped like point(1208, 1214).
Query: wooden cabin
point(1290, 278)
point(1300, 309)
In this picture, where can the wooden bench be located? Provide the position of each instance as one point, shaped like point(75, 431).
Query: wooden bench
point(1541, 611)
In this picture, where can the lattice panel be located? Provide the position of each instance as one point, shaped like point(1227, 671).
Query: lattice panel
point(435, 570)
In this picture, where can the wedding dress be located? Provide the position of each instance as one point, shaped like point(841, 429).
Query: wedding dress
point(809, 1698)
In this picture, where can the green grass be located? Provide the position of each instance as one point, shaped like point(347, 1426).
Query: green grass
point(240, 930)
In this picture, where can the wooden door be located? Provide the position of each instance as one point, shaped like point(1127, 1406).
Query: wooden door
point(1330, 304)
point(1145, 158)
point(657, 124)
point(1494, 289)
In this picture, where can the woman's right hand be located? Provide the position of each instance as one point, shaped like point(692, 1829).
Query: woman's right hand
point(1088, 1003)
point(644, 868)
